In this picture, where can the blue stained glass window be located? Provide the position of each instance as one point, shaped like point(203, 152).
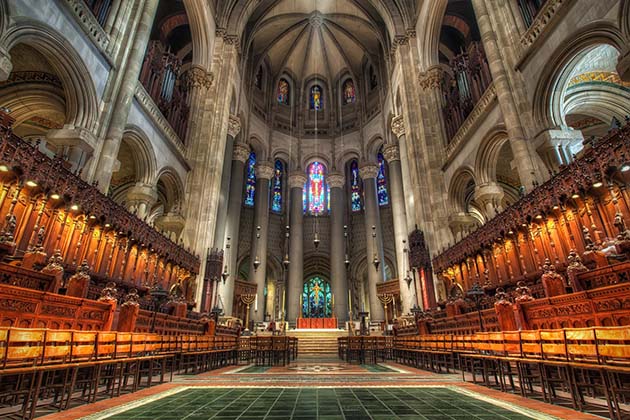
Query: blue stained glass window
point(355, 186)
point(316, 190)
point(349, 93)
point(250, 183)
point(381, 182)
point(316, 299)
point(276, 198)
point(284, 92)
point(316, 98)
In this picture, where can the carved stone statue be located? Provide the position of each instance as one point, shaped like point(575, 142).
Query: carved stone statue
point(553, 282)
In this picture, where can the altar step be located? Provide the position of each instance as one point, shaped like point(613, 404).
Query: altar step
point(317, 342)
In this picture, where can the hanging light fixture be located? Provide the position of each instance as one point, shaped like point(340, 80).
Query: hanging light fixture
point(375, 261)
point(316, 240)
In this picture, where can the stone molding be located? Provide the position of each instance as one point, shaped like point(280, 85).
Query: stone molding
point(544, 17)
point(241, 152)
point(336, 180)
point(458, 140)
point(368, 170)
point(391, 152)
point(146, 102)
point(197, 77)
point(431, 79)
point(234, 126)
point(398, 126)
point(89, 24)
point(297, 180)
point(264, 170)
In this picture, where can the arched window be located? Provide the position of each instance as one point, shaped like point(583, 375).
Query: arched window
point(276, 199)
point(316, 190)
point(372, 78)
point(317, 102)
point(381, 182)
point(355, 186)
point(316, 299)
point(349, 93)
point(284, 91)
point(250, 183)
point(258, 80)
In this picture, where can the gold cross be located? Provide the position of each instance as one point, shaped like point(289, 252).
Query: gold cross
point(316, 289)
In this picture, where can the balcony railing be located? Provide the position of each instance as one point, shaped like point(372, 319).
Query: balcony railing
point(161, 77)
point(464, 86)
point(529, 9)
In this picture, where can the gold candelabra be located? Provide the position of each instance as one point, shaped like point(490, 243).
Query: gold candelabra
point(248, 299)
point(386, 299)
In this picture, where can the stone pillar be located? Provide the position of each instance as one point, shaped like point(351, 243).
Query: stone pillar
point(368, 172)
point(623, 65)
point(6, 66)
point(78, 142)
point(489, 196)
point(551, 143)
point(398, 128)
point(232, 227)
point(523, 158)
point(140, 198)
point(109, 152)
point(234, 127)
point(264, 173)
point(391, 153)
point(296, 245)
point(339, 281)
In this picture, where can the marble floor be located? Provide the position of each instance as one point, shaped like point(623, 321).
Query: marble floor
point(319, 389)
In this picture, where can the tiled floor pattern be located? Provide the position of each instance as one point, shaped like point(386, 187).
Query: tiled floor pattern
point(429, 403)
point(318, 368)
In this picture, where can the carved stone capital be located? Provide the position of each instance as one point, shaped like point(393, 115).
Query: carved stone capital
point(197, 77)
point(391, 152)
point(241, 152)
point(368, 170)
point(265, 170)
point(431, 79)
point(234, 126)
point(398, 126)
point(6, 66)
point(297, 180)
point(336, 180)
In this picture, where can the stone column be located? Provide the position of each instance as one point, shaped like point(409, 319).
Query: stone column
point(489, 196)
point(140, 198)
point(368, 172)
point(264, 173)
point(234, 127)
point(523, 158)
point(551, 143)
point(391, 153)
point(109, 152)
point(296, 245)
point(232, 226)
point(339, 281)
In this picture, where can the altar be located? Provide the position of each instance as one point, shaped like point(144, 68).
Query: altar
point(321, 323)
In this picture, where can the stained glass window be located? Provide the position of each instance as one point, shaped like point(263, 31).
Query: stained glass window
point(355, 186)
point(316, 98)
point(373, 79)
point(250, 183)
point(316, 190)
point(349, 94)
point(258, 78)
point(381, 182)
point(276, 198)
point(316, 299)
point(284, 92)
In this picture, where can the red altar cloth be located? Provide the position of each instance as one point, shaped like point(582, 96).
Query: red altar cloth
point(330, 323)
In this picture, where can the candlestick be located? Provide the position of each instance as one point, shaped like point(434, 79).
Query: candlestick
point(256, 303)
point(349, 300)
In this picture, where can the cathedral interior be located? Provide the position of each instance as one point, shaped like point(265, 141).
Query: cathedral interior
point(314, 209)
